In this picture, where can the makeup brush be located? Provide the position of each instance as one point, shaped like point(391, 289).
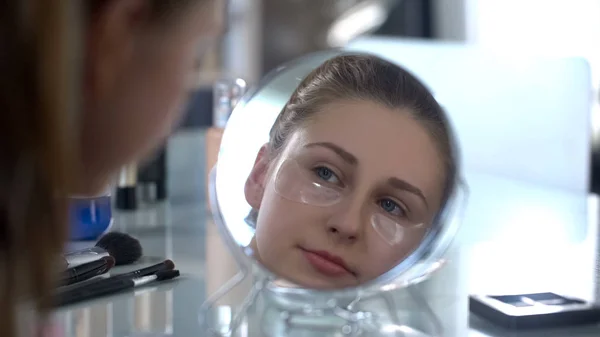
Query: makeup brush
point(124, 248)
point(109, 286)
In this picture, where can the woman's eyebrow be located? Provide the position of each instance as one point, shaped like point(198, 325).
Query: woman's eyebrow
point(406, 186)
point(345, 155)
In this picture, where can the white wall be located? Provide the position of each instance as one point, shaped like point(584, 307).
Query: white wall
point(561, 27)
point(548, 27)
point(557, 27)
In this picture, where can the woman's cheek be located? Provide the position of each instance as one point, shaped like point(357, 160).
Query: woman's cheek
point(381, 258)
point(270, 222)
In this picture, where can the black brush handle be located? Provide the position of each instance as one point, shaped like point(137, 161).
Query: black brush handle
point(92, 290)
point(154, 174)
point(163, 266)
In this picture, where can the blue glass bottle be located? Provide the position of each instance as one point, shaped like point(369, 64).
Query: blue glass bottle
point(89, 217)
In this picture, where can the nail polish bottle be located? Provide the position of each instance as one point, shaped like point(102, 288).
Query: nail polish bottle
point(152, 178)
point(226, 94)
point(126, 195)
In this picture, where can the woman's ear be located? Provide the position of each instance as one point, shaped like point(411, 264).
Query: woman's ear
point(255, 184)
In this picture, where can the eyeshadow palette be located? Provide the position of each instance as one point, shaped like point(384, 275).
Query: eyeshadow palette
point(530, 311)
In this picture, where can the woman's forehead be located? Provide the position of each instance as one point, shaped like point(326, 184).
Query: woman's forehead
point(370, 130)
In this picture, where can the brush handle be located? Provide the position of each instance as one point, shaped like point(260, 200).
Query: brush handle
point(92, 290)
point(159, 267)
point(109, 286)
point(84, 256)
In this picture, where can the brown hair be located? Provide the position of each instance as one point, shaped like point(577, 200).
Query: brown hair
point(35, 150)
point(40, 61)
point(370, 78)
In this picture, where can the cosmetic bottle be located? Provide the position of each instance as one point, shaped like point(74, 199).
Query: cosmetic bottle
point(89, 216)
point(126, 194)
point(226, 94)
point(152, 178)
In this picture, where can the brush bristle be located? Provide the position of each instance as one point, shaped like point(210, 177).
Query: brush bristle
point(122, 247)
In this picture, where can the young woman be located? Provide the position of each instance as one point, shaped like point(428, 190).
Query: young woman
point(86, 86)
point(360, 162)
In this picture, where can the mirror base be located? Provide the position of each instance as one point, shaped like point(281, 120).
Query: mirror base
point(378, 315)
point(279, 315)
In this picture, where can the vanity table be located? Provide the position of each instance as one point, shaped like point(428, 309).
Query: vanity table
point(182, 230)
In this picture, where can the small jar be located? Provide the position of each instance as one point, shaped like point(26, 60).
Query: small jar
point(89, 217)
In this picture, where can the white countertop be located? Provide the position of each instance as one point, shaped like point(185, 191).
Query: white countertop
point(183, 231)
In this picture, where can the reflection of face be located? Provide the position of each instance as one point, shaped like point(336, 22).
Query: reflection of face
point(382, 162)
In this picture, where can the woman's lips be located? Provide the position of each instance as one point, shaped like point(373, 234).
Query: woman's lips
point(326, 263)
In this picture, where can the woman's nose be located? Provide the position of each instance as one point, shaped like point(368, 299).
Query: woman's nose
point(343, 234)
point(346, 225)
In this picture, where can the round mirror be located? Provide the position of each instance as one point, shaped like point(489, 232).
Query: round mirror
point(339, 172)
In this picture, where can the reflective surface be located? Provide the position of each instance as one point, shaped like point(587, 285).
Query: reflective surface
point(350, 183)
point(183, 231)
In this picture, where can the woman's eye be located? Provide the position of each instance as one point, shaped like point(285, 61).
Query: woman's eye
point(391, 207)
point(326, 174)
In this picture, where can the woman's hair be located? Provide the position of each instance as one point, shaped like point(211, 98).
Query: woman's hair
point(40, 62)
point(367, 78)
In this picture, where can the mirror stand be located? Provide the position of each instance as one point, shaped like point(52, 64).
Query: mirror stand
point(333, 319)
point(280, 315)
point(210, 305)
point(377, 315)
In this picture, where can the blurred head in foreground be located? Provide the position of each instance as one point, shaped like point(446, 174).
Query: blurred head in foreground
point(86, 87)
